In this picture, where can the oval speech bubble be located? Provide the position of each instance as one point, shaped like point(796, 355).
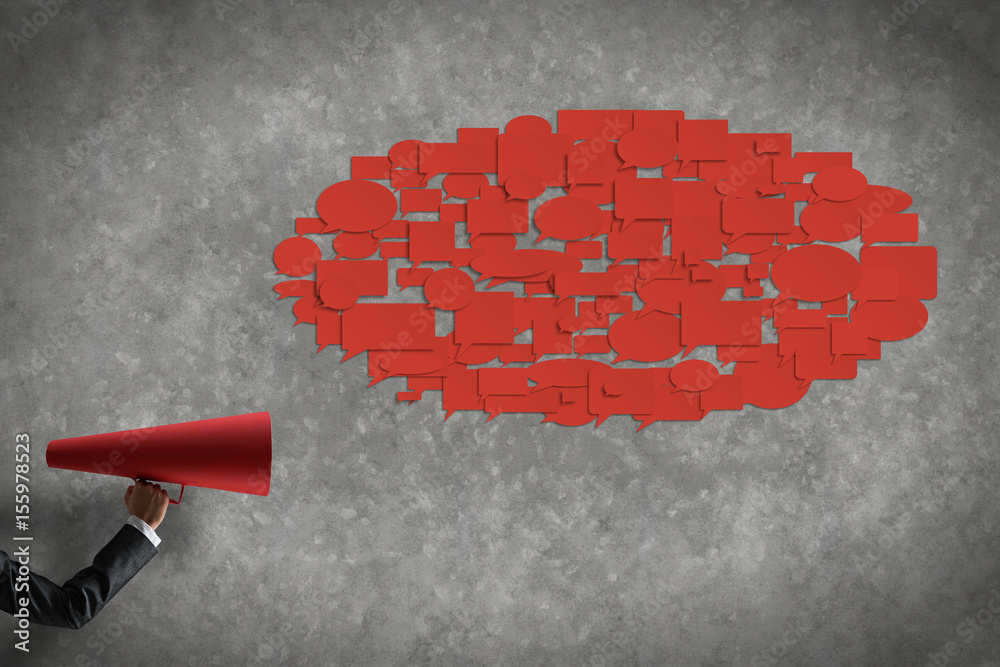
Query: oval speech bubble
point(356, 206)
point(296, 256)
point(568, 218)
point(816, 273)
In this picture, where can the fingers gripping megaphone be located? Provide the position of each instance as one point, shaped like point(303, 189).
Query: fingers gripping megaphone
point(228, 453)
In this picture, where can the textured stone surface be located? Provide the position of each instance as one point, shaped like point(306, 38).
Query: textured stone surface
point(155, 153)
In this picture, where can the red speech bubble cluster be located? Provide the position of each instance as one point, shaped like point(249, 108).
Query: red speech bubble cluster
point(665, 291)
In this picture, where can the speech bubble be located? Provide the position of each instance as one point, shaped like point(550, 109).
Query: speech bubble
point(449, 289)
point(404, 362)
point(620, 391)
point(568, 218)
point(306, 308)
point(339, 292)
point(769, 383)
point(694, 375)
point(357, 206)
point(816, 273)
point(535, 263)
point(840, 183)
point(653, 337)
point(562, 372)
point(405, 154)
point(749, 244)
point(296, 256)
point(647, 148)
point(295, 288)
point(831, 221)
point(573, 410)
point(524, 186)
point(355, 245)
point(464, 186)
point(900, 318)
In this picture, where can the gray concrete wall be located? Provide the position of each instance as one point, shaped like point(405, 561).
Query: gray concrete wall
point(155, 153)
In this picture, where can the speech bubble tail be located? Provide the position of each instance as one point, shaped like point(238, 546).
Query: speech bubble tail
point(350, 355)
point(675, 390)
point(448, 413)
point(836, 357)
point(620, 357)
point(298, 322)
point(601, 419)
point(644, 424)
point(492, 415)
point(462, 349)
point(617, 260)
point(321, 348)
point(541, 237)
point(684, 165)
point(784, 359)
point(688, 350)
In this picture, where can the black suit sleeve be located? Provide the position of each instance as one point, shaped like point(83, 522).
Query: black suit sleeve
point(79, 599)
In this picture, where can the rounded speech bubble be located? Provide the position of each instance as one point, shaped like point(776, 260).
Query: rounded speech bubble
point(296, 256)
point(339, 292)
point(900, 318)
point(652, 337)
point(562, 372)
point(694, 375)
point(449, 289)
point(357, 206)
point(840, 183)
point(749, 244)
point(568, 218)
point(355, 245)
point(524, 186)
point(295, 288)
point(537, 263)
point(464, 186)
point(816, 273)
point(647, 148)
point(306, 308)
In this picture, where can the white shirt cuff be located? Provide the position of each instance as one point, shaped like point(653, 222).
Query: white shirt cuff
point(144, 528)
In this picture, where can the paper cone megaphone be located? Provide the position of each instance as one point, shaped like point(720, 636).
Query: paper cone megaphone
point(228, 453)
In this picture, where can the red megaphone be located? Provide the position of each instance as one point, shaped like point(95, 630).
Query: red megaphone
point(228, 453)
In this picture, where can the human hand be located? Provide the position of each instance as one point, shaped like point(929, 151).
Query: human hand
point(147, 501)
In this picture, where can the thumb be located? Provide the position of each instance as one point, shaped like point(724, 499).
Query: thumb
point(128, 493)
